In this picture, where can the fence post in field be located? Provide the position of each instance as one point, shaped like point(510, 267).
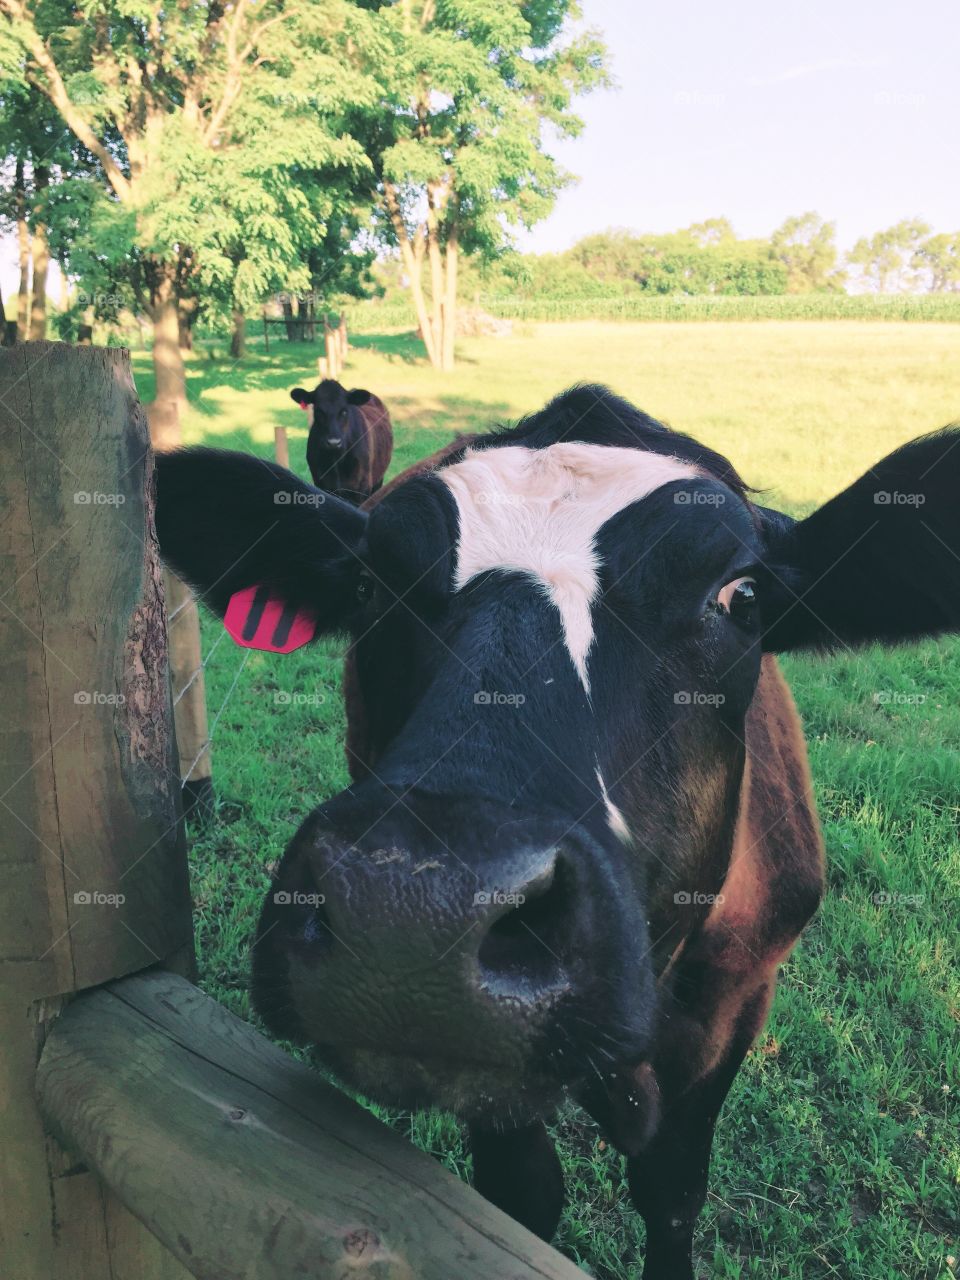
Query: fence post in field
point(342, 334)
point(91, 829)
point(281, 447)
point(186, 660)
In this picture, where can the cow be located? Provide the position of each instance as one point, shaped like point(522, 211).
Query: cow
point(351, 439)
point(581, 836)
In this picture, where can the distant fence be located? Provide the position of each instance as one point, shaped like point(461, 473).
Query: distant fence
point(374, 316)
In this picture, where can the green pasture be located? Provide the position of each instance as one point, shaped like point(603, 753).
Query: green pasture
point(839, 1151)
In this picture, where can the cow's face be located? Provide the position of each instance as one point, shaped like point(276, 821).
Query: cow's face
point(557, 638)
point(328, 408)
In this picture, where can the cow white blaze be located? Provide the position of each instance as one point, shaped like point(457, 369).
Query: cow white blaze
point(538, 511)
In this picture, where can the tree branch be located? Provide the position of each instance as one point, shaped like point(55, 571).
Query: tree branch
point(51, 85)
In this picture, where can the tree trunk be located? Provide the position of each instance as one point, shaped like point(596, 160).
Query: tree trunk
point(184, 329)
point(238, 339)
point(41, 258)
point(171, 386)
point(23, 245)
point(450, 300)
point(288, 317)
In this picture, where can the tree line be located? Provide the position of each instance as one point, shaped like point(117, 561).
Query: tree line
point(194, 160)
point(707, 258)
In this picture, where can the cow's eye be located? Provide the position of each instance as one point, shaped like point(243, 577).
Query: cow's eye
point(343, 414)
point(739, 599)
point(364, 588)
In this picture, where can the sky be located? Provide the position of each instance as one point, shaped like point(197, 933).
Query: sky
point(756, 110)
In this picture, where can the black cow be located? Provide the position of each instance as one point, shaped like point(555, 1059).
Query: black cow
point(351, 439)
point(581, 836)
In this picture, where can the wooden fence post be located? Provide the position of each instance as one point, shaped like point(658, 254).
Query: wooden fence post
point(186, 659)
point(281, 446)
point(91, 833)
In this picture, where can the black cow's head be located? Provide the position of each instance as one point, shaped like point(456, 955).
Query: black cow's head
point(334, 424)
point(557, 638)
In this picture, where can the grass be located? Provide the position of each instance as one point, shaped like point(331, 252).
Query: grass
point(839, 1151)
point(374, 316)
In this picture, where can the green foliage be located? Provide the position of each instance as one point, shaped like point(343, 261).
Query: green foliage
point(887, 259)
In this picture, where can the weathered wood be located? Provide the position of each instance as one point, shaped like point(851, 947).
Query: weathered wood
point(281, 446)
point(246, 1164)
point(189, 697)
point(91, 838)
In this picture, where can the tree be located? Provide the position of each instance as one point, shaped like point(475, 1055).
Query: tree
point(806, 245)
point(937, 260)
point(194, 116)
point(473, 87)
point(886, 258)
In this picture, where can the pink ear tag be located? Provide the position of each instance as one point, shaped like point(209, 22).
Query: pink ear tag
point(305, 406)
point(257, 620)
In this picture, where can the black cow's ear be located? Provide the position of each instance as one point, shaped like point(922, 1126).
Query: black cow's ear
point(300, 396)
point(357, 396)
point(226, 521)
point(881, 561)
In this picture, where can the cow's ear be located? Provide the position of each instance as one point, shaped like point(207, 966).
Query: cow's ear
point(227, 521)
point(881, 561)
point(357, 396)
point(299, 396)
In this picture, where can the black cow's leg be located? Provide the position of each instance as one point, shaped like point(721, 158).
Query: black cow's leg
point(519, 1171)
point(668, 1180)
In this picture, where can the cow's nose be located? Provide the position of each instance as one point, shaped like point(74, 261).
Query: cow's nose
point(522, 939)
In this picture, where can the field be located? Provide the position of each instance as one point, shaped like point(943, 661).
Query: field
point(839, 1151)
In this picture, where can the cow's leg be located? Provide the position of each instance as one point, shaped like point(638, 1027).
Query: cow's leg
point(519, 1171)
point(668, 1180)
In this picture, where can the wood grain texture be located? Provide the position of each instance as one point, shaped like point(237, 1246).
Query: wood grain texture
point(91, 840)
point(244, 1163)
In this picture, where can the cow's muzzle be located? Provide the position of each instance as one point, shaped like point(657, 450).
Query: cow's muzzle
point(452, 962)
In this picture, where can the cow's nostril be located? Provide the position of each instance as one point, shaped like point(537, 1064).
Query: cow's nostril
point(523, 952)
